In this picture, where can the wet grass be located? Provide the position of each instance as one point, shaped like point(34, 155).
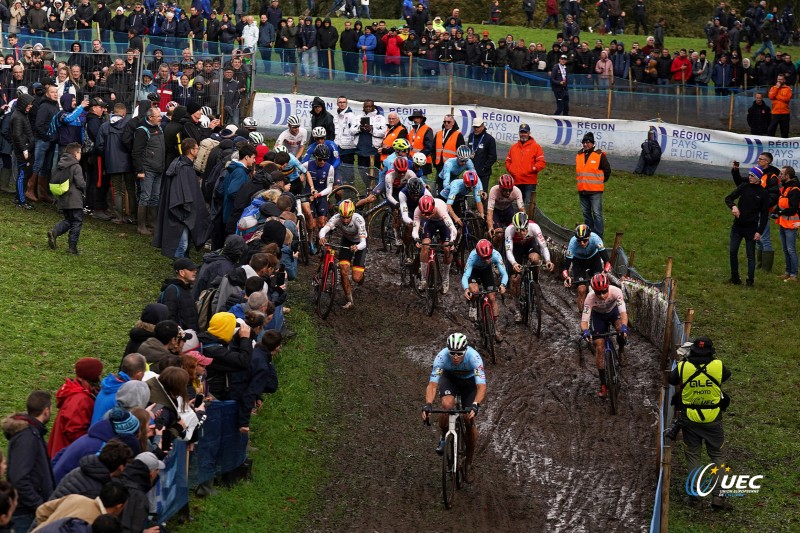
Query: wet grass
point(58, 308)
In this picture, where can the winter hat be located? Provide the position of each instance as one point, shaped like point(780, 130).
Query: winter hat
point(151, 461)
point(588, 137)
point(133, 394)
point(89, 368)
point(222, 325)
point(192, 342)
point(193, 107)
point(123, 422)
point(757, 172)
point(147, 74)
point(273, 231)
point(234, 248)
point(229, 131)
point(154, 313)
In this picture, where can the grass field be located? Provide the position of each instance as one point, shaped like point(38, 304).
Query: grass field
point(62, 308)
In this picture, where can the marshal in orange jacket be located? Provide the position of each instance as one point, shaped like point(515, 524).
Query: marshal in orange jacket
point(525, 161)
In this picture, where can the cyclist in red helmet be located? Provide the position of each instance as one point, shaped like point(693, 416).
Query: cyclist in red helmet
point(604, 307)
point(468, 185)
point(478, 270)
point(431, 216)
point(505, 199)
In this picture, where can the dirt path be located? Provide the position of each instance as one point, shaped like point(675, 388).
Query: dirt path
point(551, 457)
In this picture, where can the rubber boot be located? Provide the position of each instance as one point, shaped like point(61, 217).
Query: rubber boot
point(43, 189)
point(7, 181)
point(206, 489)
point(141, 216)
point(152, 218)
point(119, 212)
point(72, 248)
point(30, 191)
point(767, 261)
point(759, 257)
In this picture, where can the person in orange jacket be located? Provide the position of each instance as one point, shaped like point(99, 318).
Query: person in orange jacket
point(781, 95)
point(524, 162)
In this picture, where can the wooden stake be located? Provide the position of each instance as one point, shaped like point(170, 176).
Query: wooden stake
point(450, 91)
point(630, 262)
point(687, 324)
point(191, 47)
point(665, 482)
point(296, 76)
point(730, 115)
point(678, 104)
point(505, 83)
point(666, 348)
point(617, 243)
point(330, 62)
point(630, 80)
point(608, 104)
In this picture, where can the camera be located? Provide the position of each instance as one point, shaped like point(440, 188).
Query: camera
point(672, 432)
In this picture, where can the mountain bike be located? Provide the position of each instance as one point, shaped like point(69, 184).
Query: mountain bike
point(486, 323)
point(433, 279)
point(323, 284)
point(530, 297)
point(455, 451)
point(303, 235)
point(472, 230)
point(406, 255)
point(611, 360)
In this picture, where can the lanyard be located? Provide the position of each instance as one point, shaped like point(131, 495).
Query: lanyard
point(476, 144)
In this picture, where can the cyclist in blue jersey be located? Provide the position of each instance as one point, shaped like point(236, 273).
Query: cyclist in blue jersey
point(478, 270)
point(319, 134)
point(320, 178)
point(291, 169)
point(587, 256)
point(470, 184)
point(453, 168)
point(457, 370)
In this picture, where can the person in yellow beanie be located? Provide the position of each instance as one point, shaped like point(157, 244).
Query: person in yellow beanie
point(222, 326)
point(228, 349)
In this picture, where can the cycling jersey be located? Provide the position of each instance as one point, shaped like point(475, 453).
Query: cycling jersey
point(355, 231)
point(321, 177)
point(333, 150)
point(293, 168)
point(458, 188)
point(439, 214)
point(408, 203)
point(293, 143)
point(470, 367)
point(576, 251)
point(475, 262)
point(527, 238)
point(388, 165)
point(593, 304)
point(499, 202)
point(452, 169)
point(394, 181)
point(591, 258)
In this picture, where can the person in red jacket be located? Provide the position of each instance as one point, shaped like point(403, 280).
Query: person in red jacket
point(524, 162)
point(681, 68)
point(392, 41)
point(75, 402)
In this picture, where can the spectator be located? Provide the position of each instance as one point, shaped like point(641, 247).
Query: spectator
point(75, 402)
point(95, 471)
point(750, 220)
point(167, 340)
point(8, 502)
point(551, 10)
point(229, 350)
point(659, 33)
point(604, 69)
point(788, 211)
point(701, 69)
point(446, 141)
point(370, 129)
point(524, 162)
point(248, 386)
point(640, 17)
point(148, 158)
point(558, 83)
point(421, 138)
point(320, 117)
point(307, 42)
point(38, 185)
point(23, 143)
point(28, 463)
point(484, 149)
point(176, 293)
point(681, 68)
point(592, 170)
point(759, 116)
point(217, 264)
point(117, 164)
point(138, 478)
point(266, 39)
point(143, 329)
point(111, 500)
point(722, 76)
point(770, 180)
point(650, 155)
point(132, 368)
point(781, 95)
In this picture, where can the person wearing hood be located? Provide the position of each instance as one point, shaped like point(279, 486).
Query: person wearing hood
point(327, 37)
point(307, 43)
point(139, 478)
point(94, 471)
point(75, 402)
point(132, 368)
point(622, 62)
point(28, 463)
point(70, 203)
point(71, 122)
point(320, 117)
point(147, 86)
point(217, 264)
point(167, 340)
point(116, 161)
point(238, 173)
point(172, 133)
point(650, 155)
point(23, 143)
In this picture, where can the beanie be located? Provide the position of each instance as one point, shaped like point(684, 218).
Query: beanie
point(154, 313)
point(133, 394)
point(273, 231)
point(757, 172)
point(193, 107)
point(89, 368)
point(123, 422)
point(222, 325)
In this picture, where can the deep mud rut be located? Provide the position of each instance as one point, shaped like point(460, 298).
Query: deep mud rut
point(551, 457)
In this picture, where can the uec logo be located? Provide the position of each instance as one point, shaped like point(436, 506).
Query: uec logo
point(703, 480)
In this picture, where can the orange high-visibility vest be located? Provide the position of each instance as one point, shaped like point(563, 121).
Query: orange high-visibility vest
point(448, 150)
point(390, 138)
point(588, 173)
point(792, 221)
point(417, 139)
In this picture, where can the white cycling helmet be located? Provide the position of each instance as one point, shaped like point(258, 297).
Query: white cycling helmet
point(457, 342)
point(204, 121)
point(172, 105)
point(256, 137)
point(207, 111)
point(419, 159)
point(294, 120)
point(319, 132)
point(280, 148)
point(249, 123)
point(22, 89)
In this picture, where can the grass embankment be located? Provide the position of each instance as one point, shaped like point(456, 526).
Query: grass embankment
point(59, 308)
point(754, 330)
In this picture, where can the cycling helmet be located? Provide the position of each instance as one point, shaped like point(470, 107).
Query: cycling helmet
point(520, 221)
point(207, 111)
point(599, 282)
point(153, 97)
point(294, 120)
point(319, 132)
point(280, 148)
point(582, 232)
point(471, 178)
point(401, 165)
point(22, 89)
point(401, 145)
point(414, 187)
point(321, 152)
point(463, 153)
point(249, 123)
point(256, 137)
point(426, 205)
point(204, 121)
point(170, 105)
point(506, 182)
point(347, 208)
point(484, 249)
point(457, 342)
point(419, 159)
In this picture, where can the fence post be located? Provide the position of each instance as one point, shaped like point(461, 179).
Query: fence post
point(450, 90)
point(665, 482)
point(296, 76)
point(687, 324)
point(630, 263)
point(617, 243)
point(730, 114)
point(630, 80)
point(667, 346)
point(681, 92)
point(505, 83)
point(608, 104)
point(330, 65)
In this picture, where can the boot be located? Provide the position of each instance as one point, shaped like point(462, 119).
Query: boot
point(759, 257)
point(141, 215)
point(152, 217)
point(206, 489)
point(7, 181)
point(768, 258)
point(30, 191)
point(43, 190)
point(119, 217)
point(72, 248)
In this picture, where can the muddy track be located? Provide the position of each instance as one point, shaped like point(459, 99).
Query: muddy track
point(551, 457)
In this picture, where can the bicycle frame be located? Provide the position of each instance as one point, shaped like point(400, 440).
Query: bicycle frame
point(611, 363)
point(456, 430)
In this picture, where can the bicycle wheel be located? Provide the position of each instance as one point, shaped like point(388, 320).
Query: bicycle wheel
point(612, 376)
point(387, 231)
point(341, 193)
point(326, 293)
point(432, 291)
point(536, 307)
point(489, 328)
point(524, 300)
point(302, 231)
point(449, 471)
point(405, 273)
point(466, 245)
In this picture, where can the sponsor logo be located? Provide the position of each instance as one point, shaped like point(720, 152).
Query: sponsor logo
point(660, 135)
point(754, 147)
point(467, 116)
point(703, 480)
point(563, 132)
point(283, 109)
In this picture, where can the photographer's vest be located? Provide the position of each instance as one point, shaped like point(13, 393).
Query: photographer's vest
point(791, 221)
point(416, 136)
point(700, 390)
point(588, 172)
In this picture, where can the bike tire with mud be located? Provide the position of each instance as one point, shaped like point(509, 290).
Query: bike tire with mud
point(462, 452)
point(326, 294)
point(612, 377)
point(449, 472)
point(536, 308)
point(302, 232)
point(405, 270)
point(387, 231)
point(524, 301)
point(432, 290)
point(489, 332)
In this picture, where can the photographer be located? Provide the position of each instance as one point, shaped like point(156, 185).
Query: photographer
point(699, 376)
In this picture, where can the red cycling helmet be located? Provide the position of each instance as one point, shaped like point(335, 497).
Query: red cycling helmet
point(426, 205)
point(599, 282)
point(471, 178)
point(401, 165)
point(484, 249)
point(506, 182)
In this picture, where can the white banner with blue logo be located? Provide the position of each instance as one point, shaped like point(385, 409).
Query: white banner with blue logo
point(616, 137)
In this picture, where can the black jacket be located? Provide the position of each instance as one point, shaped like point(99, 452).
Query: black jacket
point(324, 119)
point(753, 207)
point(177, 296)
point(758, 118)
point(21, 130)
point(136, 479)
point(171, 132)
point(327, 36)
point(249, 385)
point(349, 41)
point(28, 463)
point(773, 182)
point(227, 358)
point(86, 480)
point(485, 149)
point(148, 153)
point(218, 264)
point(44, 115)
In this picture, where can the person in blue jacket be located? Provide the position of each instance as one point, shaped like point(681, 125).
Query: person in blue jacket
point(367, 44)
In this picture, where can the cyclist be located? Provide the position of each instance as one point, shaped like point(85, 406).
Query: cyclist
point(587, 256)
point(604, 307)
point(524, 241)
point(453, 168)
point(320, 177)
point(249, 124)
point(420, 165)
point(469, 184)
point(505, 199)
point(431, 214)
point(294, 137)
point(408, 199)
point(401, 149)
point(291, 169)
point(457, 370)
point(478, 270)
point(318, 134)
point(354, 236)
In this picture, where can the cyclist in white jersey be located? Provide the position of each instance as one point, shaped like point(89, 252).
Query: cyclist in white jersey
point(354, 236)
point(431, 215)
point(294, 138)
point(505, 199)
point(524, 242)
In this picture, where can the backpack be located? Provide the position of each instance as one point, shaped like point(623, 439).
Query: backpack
point(652, 155)
point(215, 178)
point(52, 129)
point(206, 145)
point(163, 296)
point(205, 309)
